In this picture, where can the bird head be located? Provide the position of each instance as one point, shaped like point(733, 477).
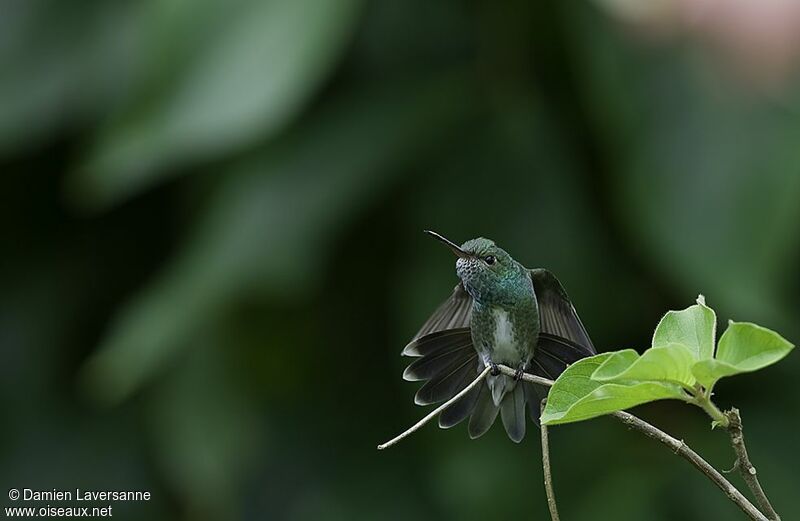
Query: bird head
point(489, 274)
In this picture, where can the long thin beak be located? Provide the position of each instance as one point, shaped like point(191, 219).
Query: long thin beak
point(450, 244)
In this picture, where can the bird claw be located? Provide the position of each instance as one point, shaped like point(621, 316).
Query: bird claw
point(495, 371)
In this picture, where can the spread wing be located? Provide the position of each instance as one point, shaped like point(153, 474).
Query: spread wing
point(446, 359)
point(557, 315)
point(453, 313)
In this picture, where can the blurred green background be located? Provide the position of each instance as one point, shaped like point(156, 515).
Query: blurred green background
point(212, 251)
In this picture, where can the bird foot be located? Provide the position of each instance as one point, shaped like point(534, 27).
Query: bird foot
point(518, 373)
point(495, 370)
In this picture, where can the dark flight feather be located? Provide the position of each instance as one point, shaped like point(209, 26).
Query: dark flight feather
point(443, 357)
point(551, 357)
point(438, 353)
point(453, 313)
point(437, 342)
point(557, 315)
point(450, 380)
point(459, 410)
point(446, 359)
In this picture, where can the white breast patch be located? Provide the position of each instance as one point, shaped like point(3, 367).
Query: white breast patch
point(504, 348)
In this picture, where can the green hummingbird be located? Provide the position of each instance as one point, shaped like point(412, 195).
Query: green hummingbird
point(499, 313)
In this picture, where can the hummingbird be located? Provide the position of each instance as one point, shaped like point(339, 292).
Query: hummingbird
point(500, 312)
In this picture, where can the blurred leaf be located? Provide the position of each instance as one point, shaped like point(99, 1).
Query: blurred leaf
point(206, 432)
point(637, 10)
point(695, 327)
point(62, 66)
point(576, 397)
point(668, 363)
point(744, 347)
point(251, 79)
point(703, 172)
point(709, 190)
point(640, 483)
point(273, 222)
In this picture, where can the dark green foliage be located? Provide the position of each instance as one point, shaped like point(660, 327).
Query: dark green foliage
point(212, 252)
point(682, 364)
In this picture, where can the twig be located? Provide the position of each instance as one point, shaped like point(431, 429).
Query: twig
point(678, 446)
point(746, 468)
point(532, 378)
point(436, 411)
point(548, 478)
point(681, 449)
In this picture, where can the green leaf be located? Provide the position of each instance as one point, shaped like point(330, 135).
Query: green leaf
point(751, 347)
point(670, 363)
point(575, 396)
point(744, 347)
point(708, 372)
point(203, 408)
point(572, 385)
point(695, 327)
point(616, 364)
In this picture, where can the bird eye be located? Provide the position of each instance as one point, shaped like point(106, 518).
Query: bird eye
point(489, 260)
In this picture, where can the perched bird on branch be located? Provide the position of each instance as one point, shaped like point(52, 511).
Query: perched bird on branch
point(499, 313)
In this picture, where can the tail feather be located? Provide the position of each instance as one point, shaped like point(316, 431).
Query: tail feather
point(534, 394)
point(500, 386)
point(512, 411)
point(484, 414)
point(460, 409)
point(447, 361)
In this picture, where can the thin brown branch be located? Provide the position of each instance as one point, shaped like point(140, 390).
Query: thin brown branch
point(548, 477)
point(683, 450)
point(677, 446)
point(414, 428)
point(746, 468)
point(532, 378)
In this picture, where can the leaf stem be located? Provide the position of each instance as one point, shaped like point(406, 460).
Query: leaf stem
point(702, 399)
point(548, 478)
